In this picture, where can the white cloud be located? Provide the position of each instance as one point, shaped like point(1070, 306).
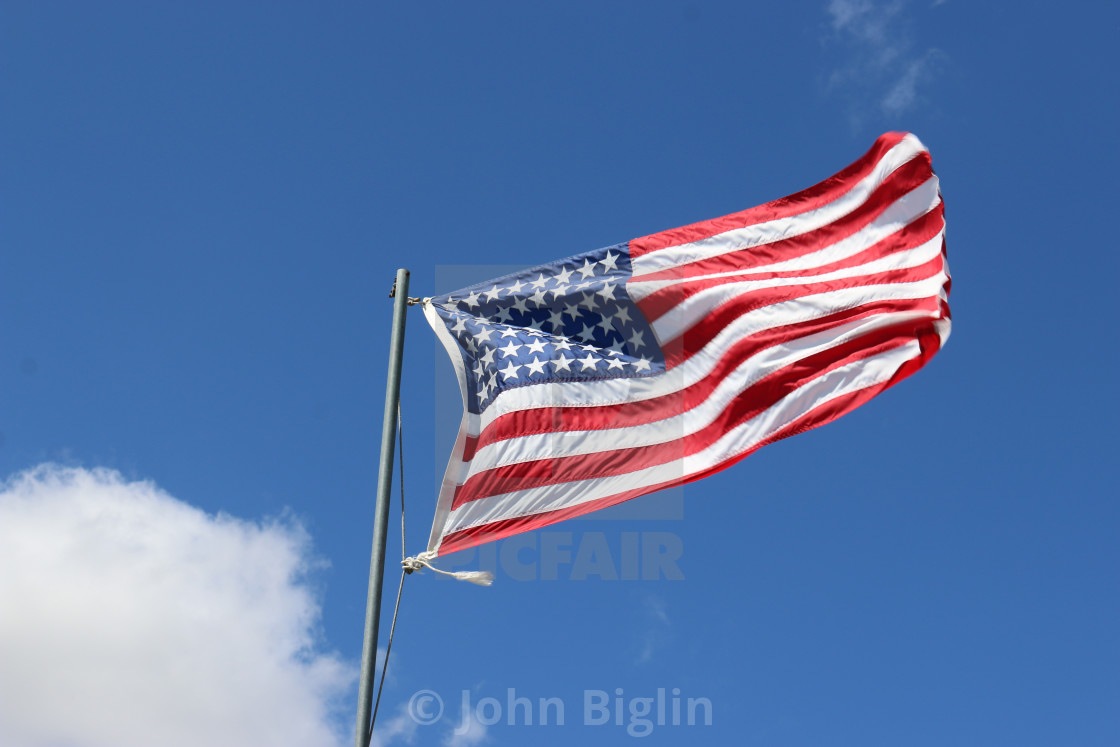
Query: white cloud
point(881, 67)
point(401, 727)
point(657, 632)
point(862, 18)
point(473, 734)
point(128, 617)
point(904, 92)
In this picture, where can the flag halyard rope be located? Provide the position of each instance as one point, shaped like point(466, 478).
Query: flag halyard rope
point(400, 587)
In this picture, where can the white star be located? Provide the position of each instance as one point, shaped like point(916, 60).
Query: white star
point(509, 332)
point(560, 290)
point(588, 268)
point(562, 362)
point(460, 326)
point(624, 314)
point(540, 282)
point(638, 339)
point(483, 335)
point(503, 315)
point(488, 357)
point(588, 301)
point(641, 364)
point(608, 261)
point(509, 351)
point(479, 369)
point(536, 346)
point(588, 362)
point(605, 323)
point(519, 304)
point(607, 291)
point(515, 288)
point(562, 277)
point(490, 384)
point(510, 371)
point(614, 363)
point(493, 293)
point(472, 300)
point(562, 344)
point(588, 332)
point(536, 366)
point(538, 298)
point(556, 319)
point(571, 310)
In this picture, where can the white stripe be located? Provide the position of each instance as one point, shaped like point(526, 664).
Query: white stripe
point(780, 228)
point(573, 443)
point(456, 468)
point(839, 382)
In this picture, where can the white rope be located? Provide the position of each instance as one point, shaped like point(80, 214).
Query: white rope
point(423, 560)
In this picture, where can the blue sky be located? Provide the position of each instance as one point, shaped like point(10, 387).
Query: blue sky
point(203, 207)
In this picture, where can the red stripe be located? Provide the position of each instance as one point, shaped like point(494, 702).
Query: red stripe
point(803, 201)
point(746, 405)
point(896, 186)
point(470, 446)
point(466, 538)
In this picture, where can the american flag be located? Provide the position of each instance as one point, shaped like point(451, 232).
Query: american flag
point(648, 364)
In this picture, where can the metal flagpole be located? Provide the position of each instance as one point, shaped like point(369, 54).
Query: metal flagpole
point(381, 511)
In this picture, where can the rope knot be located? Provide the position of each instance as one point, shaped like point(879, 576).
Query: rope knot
point(418, 562)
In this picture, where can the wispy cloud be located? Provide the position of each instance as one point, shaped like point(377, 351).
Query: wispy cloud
point(883, 67)
point(466, 731)
point(657, 631)
point(130, 618)
point(903, 93)
point(474, 733)
point(401, 728)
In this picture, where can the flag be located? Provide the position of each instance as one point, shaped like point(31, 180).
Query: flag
point(612, 374)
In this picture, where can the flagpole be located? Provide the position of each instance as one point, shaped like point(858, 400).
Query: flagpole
point(381, 511)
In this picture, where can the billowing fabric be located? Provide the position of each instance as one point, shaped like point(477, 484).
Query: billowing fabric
point(612, 374)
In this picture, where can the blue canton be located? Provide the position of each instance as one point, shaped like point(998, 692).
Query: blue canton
point(570, 320)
